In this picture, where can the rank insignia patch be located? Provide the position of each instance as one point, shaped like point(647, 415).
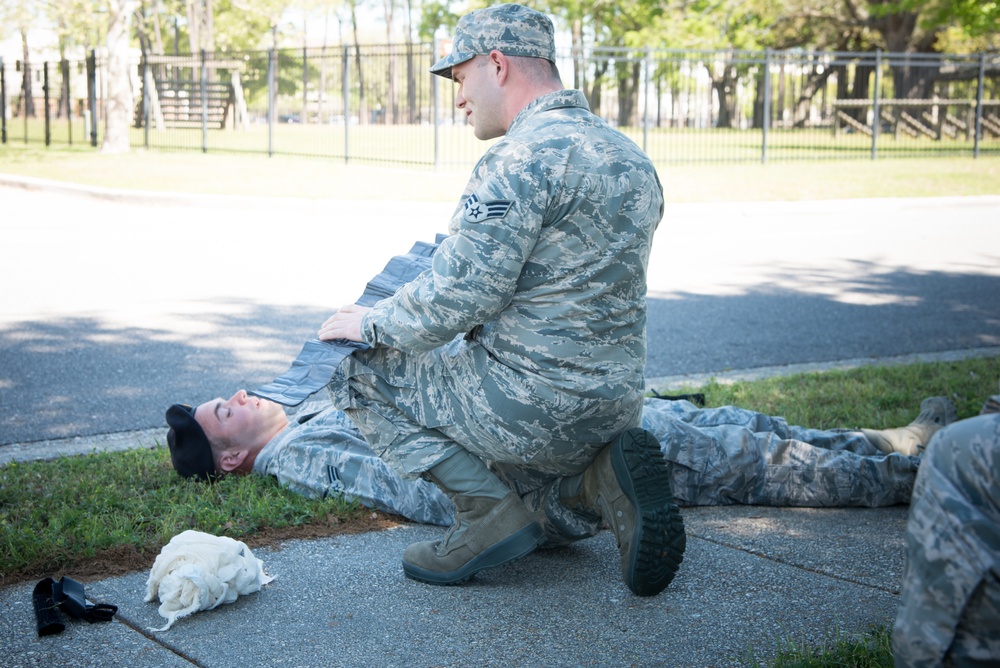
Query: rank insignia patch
point(476, 211)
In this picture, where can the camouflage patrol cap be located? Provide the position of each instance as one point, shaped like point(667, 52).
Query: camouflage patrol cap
point(514, 30)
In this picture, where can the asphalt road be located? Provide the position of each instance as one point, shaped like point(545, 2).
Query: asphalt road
point(115, 307)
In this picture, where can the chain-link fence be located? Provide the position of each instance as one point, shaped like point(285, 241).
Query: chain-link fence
point(379, 104)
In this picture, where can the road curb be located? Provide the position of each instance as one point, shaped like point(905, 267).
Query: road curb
point(680, 382)
point(156, 437)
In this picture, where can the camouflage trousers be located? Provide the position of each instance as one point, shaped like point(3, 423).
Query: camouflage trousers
point(950, 610)
point(729, 455)
point(416, 410)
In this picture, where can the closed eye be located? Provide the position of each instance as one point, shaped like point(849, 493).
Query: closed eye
point(219, 408)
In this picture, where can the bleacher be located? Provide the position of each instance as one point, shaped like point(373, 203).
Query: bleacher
point(181, 103)
point(177, 102)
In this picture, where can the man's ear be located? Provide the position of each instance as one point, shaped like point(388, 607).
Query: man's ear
point(231, 460)
point(499, 64)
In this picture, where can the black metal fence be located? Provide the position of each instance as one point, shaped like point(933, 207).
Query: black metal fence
point(379, 104)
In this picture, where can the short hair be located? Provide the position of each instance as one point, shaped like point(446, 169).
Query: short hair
point(537, 70)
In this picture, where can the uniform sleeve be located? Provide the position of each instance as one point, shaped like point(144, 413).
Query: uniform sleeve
point(475, 271)
point(323, 460)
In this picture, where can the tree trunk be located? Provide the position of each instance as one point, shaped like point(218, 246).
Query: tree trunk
point(579, 64)
point(362, 110)
point(411, 79)
point(194, 21)
point(594, 96)
point(321, 98)
point(725, 87)
point(119, 101)
point(758, 102)
point(63, 110)
point(26, 94)
point(815, 82)
point(628, 93)
point(391, 110)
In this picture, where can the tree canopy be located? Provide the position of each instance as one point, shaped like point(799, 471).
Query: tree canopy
point(231, 25)
point(221, 26)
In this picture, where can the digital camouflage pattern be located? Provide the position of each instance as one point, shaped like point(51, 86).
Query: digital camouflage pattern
point(732, 455)
point(543, 281)
point(316, 363)
point(514, 30)
point(322, 454)
point(950, 611)
point(718, 455)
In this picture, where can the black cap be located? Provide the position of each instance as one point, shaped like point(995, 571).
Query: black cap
point(189, 449)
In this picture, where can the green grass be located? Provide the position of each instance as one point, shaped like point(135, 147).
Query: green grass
point(868, 396)
point(91, 513)
point(458, 149)
point(100, 510)
point(873, 650)
point(55, 515)
point(233, 173)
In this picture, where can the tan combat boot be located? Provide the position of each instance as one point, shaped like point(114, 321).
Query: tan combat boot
point(935, 413)
point(630, 485)
point(492, 525)
point(487, 533)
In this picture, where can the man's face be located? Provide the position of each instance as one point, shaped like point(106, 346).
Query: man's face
point(240, 421)
point(479, 96)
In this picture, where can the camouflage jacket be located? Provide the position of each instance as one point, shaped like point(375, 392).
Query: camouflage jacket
point(323, 454)
point(545, 265)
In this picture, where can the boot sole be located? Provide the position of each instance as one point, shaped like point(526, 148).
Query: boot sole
point(658, 542)
point(519, 544)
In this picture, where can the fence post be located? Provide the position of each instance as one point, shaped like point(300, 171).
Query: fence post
point(92, 95)
point(876, 111)
point(434, 105)
point(45, 97)
point(64, 69)
point(3, 102)
point(204, 104)
point(765, 121)
point(346, 92)
point(979, 105)
point(270, 102)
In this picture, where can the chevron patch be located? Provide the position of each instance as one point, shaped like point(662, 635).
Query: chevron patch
point(476, 211)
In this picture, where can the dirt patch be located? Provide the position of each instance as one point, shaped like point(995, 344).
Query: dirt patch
point(124, 559)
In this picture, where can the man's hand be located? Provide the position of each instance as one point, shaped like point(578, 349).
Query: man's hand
point(344, 324)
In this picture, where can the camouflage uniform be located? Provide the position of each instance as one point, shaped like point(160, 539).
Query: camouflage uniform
point(322, 454)
point(731, 455)
point(543, 282)
point(950, 610)
point(719, 456)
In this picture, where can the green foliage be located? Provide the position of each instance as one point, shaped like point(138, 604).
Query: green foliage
point(726, 24)
point(435, 15)
point(736, 24)
point(975, 17)
point(240, 26)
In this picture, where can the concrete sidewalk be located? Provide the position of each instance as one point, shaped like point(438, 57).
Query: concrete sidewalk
point(752, 580)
